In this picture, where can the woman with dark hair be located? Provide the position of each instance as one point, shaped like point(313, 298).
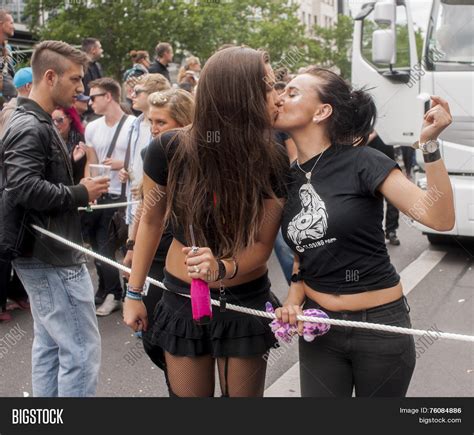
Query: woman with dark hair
point(224, 176)
point(333, 223)
point(68, 122)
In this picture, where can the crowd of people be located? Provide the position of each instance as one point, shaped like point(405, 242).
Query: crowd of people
point(218, 170)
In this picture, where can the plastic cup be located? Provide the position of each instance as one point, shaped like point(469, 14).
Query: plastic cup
point(100, 170)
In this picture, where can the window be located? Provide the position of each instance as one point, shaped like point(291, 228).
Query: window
point(403, 44)
point(450, 36)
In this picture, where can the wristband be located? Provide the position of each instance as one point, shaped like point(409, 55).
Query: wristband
point(221, 271)
point(296, 277)
point(432, 157)
point(132, 289)
point(134, 296)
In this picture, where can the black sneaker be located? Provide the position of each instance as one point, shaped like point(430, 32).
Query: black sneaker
point(392, 238)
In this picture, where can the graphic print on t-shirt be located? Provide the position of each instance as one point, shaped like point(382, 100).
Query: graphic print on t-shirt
point(312, 221)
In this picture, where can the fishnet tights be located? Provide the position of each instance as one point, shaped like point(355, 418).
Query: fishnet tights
point(195, 376)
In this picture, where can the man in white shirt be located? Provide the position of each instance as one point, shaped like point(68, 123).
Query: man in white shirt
point(105, 102)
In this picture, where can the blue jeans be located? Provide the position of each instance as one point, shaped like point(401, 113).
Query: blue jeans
point(66, 346)
point(285, 256)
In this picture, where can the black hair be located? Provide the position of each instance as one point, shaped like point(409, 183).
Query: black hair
point(279, 86)
point(353, 111)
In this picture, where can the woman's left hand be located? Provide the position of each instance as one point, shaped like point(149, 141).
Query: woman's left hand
point(79, 151)
point(201, 264)
point(436, 119)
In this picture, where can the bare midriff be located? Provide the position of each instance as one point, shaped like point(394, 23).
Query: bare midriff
point(175, 266)
point(356, 301)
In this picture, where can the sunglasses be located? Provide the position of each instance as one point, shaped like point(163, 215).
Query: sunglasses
point(59, 120)
point(137, 92)
point(93, 97)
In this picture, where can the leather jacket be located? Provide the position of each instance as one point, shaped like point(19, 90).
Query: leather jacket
point(37, 187)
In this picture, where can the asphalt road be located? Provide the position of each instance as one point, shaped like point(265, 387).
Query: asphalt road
point(443, 299)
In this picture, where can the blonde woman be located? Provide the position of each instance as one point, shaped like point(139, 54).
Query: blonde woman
point(139, 135)
point(167, 110)
point(191, 64)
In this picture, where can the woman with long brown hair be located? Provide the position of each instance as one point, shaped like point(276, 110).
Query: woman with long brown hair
point(223, 175)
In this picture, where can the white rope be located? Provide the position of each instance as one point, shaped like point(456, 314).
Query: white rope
point(364, 325)
point(102, 206)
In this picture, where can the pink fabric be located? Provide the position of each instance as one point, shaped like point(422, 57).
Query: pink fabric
point(200, 300)
point(285, 332)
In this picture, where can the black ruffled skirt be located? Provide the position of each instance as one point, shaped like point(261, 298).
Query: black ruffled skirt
point(228, 334)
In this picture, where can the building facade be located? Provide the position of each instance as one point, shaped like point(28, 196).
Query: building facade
point(317, 12)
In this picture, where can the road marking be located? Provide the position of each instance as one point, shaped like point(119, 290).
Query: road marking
point(288, 384)
point(416, 271)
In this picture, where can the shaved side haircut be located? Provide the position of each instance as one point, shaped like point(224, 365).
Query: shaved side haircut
point(52, 55)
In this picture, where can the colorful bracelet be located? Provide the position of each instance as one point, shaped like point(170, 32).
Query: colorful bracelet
point(131, 288)
point(134, 296)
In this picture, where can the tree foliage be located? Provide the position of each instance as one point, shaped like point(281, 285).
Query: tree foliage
point(331, 46)
point(197, 27)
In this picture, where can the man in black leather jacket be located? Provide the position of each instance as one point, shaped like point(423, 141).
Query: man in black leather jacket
point(37, 188)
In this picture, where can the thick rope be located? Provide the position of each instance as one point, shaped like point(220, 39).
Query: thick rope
point(102, 206)
point(364, 325)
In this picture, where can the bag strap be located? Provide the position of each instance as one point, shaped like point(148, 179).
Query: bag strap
point(125, 165)
point(116, 135)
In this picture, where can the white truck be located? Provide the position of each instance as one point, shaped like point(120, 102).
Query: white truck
point(386, 61)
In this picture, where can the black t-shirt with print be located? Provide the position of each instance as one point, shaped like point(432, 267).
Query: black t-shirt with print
point(335, 223)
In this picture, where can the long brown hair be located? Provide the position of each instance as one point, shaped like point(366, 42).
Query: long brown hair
point(225, 160)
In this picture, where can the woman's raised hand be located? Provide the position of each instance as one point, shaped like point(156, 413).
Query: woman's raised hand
point(436, 119)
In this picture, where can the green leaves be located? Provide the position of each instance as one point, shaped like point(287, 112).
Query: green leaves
point(198, 27)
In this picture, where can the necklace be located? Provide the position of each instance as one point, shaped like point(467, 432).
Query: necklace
point(310, 173)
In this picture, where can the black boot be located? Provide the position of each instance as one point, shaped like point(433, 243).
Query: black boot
point(392, 238)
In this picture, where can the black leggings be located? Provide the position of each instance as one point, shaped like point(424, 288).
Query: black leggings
point(374, 363)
